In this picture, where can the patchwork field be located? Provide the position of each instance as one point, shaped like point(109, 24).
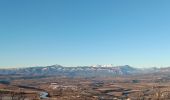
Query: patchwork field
point(130, 87)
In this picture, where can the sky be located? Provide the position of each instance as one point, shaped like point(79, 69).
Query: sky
point(84, 32)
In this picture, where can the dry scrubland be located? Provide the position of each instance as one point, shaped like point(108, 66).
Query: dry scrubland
point(132, 87)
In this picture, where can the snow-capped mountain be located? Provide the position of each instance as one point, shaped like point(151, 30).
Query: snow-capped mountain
point(86, 71)
point(107, 65)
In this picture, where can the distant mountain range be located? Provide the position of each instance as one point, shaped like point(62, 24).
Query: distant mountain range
point(81, 71)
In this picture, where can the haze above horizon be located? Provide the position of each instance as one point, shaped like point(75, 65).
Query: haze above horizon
point(84, 32)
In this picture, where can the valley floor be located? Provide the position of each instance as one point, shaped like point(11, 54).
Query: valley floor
point(132, 87)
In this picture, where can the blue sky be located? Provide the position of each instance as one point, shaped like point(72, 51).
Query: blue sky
point(84, 32)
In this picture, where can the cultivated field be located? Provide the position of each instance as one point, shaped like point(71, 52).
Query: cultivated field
point(132, 87)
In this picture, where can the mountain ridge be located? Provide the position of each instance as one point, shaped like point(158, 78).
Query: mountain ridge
point(81, 71)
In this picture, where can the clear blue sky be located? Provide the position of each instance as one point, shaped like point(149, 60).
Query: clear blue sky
point(84, 32)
